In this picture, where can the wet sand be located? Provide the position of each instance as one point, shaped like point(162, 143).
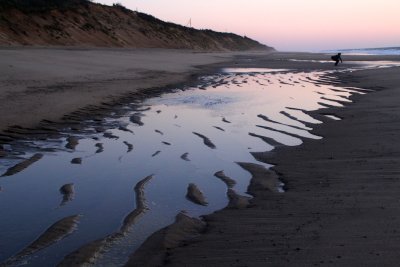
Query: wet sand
point(59, 230)
point(87, 254)
point(46, 83)
point(340, 206)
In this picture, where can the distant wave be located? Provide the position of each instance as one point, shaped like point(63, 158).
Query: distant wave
point(368, 51)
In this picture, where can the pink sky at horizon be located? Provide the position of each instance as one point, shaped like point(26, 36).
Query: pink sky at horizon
point(287, 25)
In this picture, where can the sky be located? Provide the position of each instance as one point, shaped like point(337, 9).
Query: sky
point(287, 25)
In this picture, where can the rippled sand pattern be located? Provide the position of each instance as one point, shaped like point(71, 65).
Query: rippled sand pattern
point(202, 136)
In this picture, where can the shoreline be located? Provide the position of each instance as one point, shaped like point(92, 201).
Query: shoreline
point(35, 89)
point(43, 91)
point(340, 205)
point(241, 61)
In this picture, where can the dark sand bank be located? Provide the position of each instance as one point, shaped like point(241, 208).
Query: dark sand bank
point(341, 204)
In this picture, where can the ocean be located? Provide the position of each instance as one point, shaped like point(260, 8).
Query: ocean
point(368, 51)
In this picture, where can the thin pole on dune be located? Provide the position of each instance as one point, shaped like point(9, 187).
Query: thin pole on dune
point(189, 24)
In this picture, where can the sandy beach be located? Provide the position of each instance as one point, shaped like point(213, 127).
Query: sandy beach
point(340, 205)
point(47, 83)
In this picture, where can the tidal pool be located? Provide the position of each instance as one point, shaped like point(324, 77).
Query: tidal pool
point(161, 144)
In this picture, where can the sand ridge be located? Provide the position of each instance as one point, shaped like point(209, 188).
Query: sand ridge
point(340, 205)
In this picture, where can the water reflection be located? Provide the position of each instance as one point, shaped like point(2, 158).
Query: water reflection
point(177, 139)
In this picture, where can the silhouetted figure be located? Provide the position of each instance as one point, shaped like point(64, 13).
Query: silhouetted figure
point(337, 58)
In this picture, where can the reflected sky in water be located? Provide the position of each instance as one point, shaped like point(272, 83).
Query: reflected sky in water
point(226, 108)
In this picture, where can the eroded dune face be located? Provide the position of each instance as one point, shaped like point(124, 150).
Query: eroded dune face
point(90, 24)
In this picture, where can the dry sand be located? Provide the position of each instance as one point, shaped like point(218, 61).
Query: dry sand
point(341, 207)
point(47, 83)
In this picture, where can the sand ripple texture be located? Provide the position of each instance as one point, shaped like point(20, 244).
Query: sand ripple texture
point(207, 136)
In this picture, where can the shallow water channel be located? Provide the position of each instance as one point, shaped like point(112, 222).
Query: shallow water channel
point(163, 143)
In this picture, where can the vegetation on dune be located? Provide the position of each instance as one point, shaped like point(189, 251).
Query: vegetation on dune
point(81, 22)
point(40, 5)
